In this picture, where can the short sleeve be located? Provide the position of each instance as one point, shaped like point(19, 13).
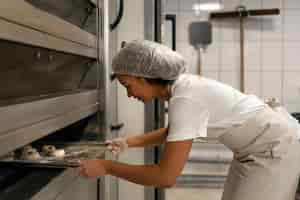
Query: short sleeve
point(187, 120)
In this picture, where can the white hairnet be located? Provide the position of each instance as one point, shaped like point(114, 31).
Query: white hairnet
point(149, 60)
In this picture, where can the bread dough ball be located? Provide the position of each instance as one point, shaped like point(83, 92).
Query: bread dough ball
point(30, 154)
point(59, 153)
point(49, 150)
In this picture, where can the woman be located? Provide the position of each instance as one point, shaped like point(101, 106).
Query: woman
point(266, 162)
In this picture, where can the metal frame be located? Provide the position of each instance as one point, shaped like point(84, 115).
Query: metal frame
point(201, 181)
point(64, 186)
point(106, 184)
point(44, 31)
point(149, 107)
point(26, 122)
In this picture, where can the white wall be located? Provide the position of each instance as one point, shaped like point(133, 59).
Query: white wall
point(130, 111)
point(272, 52)
point(272, 48)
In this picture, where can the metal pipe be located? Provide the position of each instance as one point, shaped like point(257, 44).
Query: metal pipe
point(172, 18)
point(199, 51)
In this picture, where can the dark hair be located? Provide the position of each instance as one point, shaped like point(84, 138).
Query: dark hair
point(156, 81)
point(113, 76)
point(159, 81)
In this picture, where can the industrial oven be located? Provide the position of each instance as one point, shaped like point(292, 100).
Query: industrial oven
point(55, 89)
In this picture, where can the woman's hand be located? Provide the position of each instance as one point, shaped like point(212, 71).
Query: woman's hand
point(93, 168)
point(117, 145)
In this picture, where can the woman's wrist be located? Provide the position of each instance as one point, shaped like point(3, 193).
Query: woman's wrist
point(128, 140)
point(107, 166)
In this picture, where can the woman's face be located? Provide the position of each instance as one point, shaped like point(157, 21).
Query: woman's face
point(137, 87)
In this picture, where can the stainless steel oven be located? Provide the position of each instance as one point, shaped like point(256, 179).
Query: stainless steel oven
point(55, 89)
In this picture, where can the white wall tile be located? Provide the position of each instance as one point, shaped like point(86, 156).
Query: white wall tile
point(291, 3)
point(252, 52)
point(271, 56)
point(253, 28)
point(291, 87)
point(172, 6)
point(190, 54)
point(210, 74)
point(230, 30)
point(271, 47)
point(292, 107)
point(230, 56)
point(252, 68)
point(231, 78)
point(184, 20)
point(230, 4)
point(271, 85)
point(291, 56)
point(252, 4)
point(187, 5)
point(272, 28)
point(291, 24)
point(168, 33)
point(210, 57)
point(272, 3)
point(216, 31)
point(252, 83)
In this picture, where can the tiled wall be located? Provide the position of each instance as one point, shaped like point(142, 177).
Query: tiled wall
point(272, 48)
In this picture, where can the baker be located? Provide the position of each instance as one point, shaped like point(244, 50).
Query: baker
point(264, 142)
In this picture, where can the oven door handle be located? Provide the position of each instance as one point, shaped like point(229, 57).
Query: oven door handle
point(119, 16)
point(172, 18)
point(116, 127)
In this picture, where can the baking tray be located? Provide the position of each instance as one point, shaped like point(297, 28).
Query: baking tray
point(74, 153)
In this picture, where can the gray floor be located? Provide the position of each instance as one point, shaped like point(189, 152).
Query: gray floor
point(193, 194)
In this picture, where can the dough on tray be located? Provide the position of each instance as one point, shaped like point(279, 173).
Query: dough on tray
point(50, 150)
point(29, 153)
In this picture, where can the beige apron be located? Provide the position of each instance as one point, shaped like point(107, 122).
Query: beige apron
point(266, 162)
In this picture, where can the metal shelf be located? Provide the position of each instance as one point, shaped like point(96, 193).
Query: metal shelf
point(93, 2)
point(25, 122)
point(22, 22)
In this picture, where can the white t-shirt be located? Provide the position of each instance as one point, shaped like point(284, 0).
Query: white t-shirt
point(199, 105)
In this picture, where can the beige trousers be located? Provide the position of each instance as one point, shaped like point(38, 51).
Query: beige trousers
point(266, 163)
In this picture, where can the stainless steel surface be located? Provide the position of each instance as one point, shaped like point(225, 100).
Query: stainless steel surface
point(149, 107)
point(57, 186)
point(38, 164)
point(50, 184)
point(104, 52)
point(74, 152)
point(210, 153)
point(53, 77)
point(32, 72)
point(93, 1)
point(26, 122)
point(20, 34)
point(106, 184)
point(201, 181)
point(81, 13)
point(46, 24)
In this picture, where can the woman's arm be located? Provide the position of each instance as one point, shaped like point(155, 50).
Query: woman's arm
point(155, 137)
point(163, 174)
